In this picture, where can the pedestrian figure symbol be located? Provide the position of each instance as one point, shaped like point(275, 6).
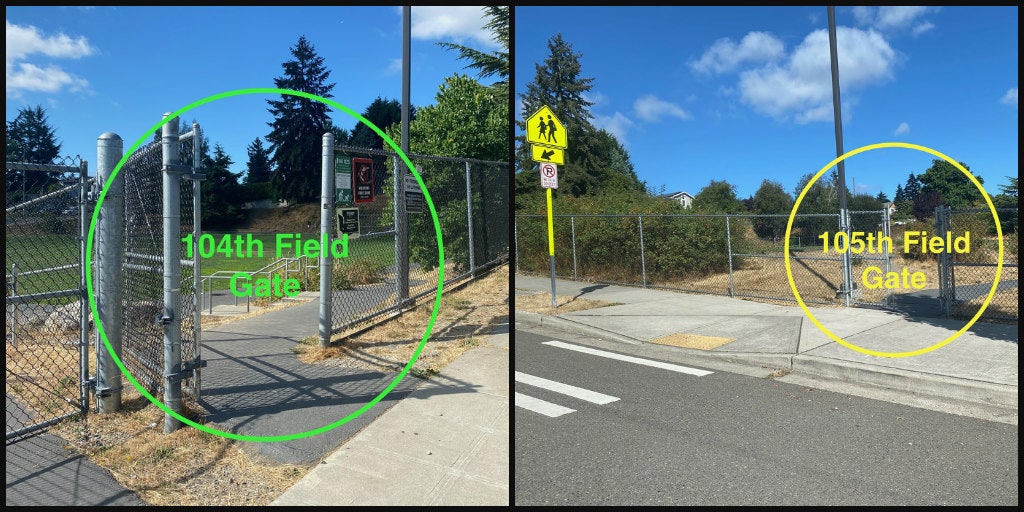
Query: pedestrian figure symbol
point(551, 130)
point(542, 127)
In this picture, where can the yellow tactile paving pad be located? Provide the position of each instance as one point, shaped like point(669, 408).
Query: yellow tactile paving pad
point(696, 341)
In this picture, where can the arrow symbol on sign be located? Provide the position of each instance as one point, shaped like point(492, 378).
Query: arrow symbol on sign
point(546, 155)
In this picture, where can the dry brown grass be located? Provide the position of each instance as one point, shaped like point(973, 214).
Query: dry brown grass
point(465, 316)
point(541, 303)
point(42, 372)
point(187, 467)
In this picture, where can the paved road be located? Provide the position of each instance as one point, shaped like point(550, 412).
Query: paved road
point(629, 434)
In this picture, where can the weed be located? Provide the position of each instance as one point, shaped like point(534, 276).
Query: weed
point(424, 373)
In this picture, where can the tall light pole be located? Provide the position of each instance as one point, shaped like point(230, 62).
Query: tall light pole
point(844, 216)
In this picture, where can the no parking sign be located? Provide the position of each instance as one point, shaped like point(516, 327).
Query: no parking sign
point(549, 175)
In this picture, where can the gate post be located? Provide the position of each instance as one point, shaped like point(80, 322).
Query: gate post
point(171, 318)
point(109, 260)
point(326, 216)
point(83, 300)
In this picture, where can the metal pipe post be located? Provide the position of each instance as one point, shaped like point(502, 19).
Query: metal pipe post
point(728, 244)
point(572, 228)
point(109, 271)
point(326, 216)
point(643, 257)
point(469, 222)
point(401, 221)
point(171, 319)
point(83, 300)
point(197, 231)
point(551, 247)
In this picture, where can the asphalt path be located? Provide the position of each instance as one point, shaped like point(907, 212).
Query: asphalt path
point(672, 438)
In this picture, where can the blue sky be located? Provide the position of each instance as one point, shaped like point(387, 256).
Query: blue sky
point(744, 93)
point(100, 69)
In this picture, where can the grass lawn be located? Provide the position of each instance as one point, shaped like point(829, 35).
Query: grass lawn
point(37, 252)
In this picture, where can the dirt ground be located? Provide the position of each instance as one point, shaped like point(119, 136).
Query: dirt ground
point(190, 467)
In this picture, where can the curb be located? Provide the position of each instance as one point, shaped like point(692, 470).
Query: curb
point(564, 324)
point(1002, 397)
point(752, 360)
point(920, 383)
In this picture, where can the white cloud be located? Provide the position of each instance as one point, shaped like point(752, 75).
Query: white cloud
point(651, 109)
point(801, 87)
point(616, 124)
point(1010, 98)
point(922, 28)
point(725, 55)
point(595, 97)
point(890, 18)
point(451, 24)
point(902, 129)
point(25, 41)
point(394, 67)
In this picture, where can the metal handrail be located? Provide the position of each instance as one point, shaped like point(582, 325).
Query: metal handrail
point(268, 269)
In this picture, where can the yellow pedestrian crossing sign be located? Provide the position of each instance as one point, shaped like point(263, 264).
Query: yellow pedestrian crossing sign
point(544, 154)
point(545, 129)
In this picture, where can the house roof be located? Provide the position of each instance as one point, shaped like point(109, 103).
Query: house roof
point(678, 194)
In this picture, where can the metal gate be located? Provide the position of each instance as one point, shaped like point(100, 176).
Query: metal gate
point(46, 327)
point(149, 301)
point(965, 279)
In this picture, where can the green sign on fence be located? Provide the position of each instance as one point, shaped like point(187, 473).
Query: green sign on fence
point(343, 179)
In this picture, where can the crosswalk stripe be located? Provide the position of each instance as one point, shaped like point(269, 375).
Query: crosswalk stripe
point(583, 394)
point(540, 406)
point(630, 359)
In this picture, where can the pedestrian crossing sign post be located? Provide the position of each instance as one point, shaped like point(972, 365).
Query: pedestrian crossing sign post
point(548, 139)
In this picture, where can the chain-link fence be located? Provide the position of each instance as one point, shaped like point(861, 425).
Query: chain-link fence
point(46, 325)
point(725, 254)
point(471, 198)
point(966, 276)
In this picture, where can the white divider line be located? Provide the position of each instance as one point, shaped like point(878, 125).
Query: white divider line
point(583, 394)
point(630, 359)
point(540, 406)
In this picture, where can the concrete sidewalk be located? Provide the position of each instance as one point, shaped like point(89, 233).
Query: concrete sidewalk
point(441, 445)
point(976, 374)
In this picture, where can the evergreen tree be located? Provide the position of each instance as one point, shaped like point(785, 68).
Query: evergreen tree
point(221, 194)
point(299, 125)
point(30, 139)
point(912, 189)
point(382, 113)
point(881, 197)
point(258, 169)
point(493, 63)
point(594, 161)
point(900, 196)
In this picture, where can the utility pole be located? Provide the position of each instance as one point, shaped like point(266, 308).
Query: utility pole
point(844, 216)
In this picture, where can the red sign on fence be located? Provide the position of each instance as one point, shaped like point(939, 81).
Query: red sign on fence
point(362, 177)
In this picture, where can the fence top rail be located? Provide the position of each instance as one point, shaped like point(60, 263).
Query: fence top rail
point(43, 197)
point(981, 210)
point(384, 152)
point(25, 166)
point(680, 215)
